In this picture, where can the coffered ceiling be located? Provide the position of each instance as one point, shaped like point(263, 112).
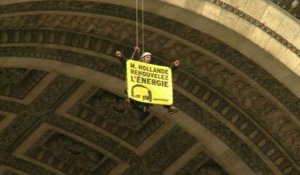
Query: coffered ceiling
point(62, 108)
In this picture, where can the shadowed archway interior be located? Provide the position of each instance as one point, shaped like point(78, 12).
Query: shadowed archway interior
point(62, 95)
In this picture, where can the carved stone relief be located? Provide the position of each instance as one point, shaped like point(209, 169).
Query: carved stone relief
point(23, 166)
point(261, 25)
point(210, 168)
point(12, 76)
point(162, 154)
point(225, 134)
point(109, 112)
point(114, 110)
point(69, 156)
point(157, 42)
point(98, 28)
point(192, 165)
point(91, 135)
point(18, 82)
point(204, 98)
point(28, 115)
point(255, 116)
point(265, 112)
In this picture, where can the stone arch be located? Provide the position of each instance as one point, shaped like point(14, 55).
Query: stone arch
point(108, 83)
point(239, 121)
point(250, 28)
point(221, 152)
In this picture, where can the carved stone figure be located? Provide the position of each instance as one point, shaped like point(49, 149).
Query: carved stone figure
point(72, 152)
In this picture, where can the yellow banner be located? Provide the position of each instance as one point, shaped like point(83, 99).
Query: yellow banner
point(149, 83)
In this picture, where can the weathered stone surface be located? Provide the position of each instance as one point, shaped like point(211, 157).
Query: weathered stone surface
point(18, 83)
point(259, 129)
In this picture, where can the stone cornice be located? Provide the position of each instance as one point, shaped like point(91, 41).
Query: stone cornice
point(91, 7)
point(258, 24)
point(291, 6)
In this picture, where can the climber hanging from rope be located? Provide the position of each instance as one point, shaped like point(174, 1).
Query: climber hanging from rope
point(141, 108)
point(146, 57)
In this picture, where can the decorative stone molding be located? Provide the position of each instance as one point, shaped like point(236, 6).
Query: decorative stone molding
point(260, 120)
point(6, 119)
point(265, 113)
point(23, 166)
point(89, 134)
point(253, 132)
point(201, 164)
point(186, 84)
point(28, 115)
point(222, 132)
point(156, 155)
point(182, 106)
point(291, 6)
point(107, 111)
point(6, 170)
point(163, 153)
point(62, 153)
point(157, 42)
point(11, 76)
point(247, 100)
point(259, 24)
point(18, 83)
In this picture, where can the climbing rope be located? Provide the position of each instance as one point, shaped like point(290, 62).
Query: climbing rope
point(136, 23)
point(143, 34)
point(137, 26)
